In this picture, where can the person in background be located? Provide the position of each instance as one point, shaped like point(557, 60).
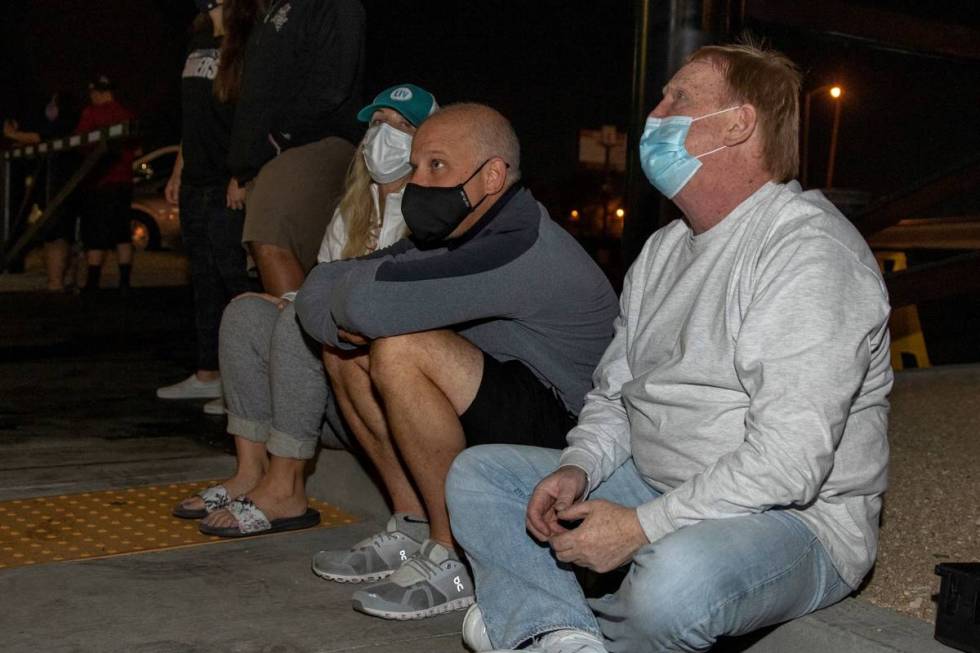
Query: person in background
point(294, 130)
point(211, 231)
point(240, 18)
point(275, 385)
point(60, 117)
point(108, 191)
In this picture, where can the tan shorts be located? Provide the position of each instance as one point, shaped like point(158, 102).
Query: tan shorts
point(294, 196)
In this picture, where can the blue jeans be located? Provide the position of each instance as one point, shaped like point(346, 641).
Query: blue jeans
point(683, 592)
point(212, 235)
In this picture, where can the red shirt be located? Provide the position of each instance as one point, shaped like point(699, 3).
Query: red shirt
point(119, 170)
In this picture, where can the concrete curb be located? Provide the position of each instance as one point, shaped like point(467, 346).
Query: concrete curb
point(851, 626)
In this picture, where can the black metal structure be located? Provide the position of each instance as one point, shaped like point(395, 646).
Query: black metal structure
point(95, 143)
point(665, 34)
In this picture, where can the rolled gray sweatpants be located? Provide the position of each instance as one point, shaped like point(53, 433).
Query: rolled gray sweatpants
point(275, 388)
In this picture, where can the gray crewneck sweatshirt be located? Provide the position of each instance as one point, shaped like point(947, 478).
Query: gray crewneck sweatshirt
point(750, 371)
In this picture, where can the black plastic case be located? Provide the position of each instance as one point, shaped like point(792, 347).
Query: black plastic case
point(958, 611)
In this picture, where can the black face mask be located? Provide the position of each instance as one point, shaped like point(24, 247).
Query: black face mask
point(432, 212)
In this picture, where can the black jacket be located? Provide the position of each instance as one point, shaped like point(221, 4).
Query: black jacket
point(302, 81)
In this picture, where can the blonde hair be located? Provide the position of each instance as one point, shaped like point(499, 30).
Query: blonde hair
point(357, 208)
point(770, 82)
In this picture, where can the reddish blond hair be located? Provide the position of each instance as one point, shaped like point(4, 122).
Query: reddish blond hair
point(770, 82)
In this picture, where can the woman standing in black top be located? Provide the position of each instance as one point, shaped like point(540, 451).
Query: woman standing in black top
point(211, 224)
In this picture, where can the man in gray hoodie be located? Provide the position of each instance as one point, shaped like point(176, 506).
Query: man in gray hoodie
point(733, 452)
point(484, 327)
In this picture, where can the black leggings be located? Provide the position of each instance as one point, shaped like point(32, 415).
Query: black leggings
point(212, 235)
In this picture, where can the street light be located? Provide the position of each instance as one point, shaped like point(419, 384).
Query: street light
point(835, 92)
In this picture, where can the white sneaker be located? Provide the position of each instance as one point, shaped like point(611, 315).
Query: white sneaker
point(215, 407)
point(475, 631)
point(564, 641)
point(191, 388)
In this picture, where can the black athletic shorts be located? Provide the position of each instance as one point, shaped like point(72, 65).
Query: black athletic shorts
point(62, 225)
point(105, 216)
point(513, 407)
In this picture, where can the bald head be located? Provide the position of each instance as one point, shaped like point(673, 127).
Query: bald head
point(483, 132)
point(471, 146)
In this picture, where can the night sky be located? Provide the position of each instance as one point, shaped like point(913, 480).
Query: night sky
point(552, 66)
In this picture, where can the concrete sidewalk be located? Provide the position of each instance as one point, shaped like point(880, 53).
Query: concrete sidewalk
point(243, 596)
point(77, 413)
point(150, 269)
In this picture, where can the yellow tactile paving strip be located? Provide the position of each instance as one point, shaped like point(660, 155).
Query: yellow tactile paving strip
point(113, 522)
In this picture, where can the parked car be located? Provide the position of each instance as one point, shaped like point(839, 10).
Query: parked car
point(155, 222)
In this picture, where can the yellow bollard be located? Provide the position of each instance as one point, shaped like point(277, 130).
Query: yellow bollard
point(906, 331)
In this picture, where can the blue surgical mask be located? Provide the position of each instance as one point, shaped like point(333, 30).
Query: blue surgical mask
point(664, 159)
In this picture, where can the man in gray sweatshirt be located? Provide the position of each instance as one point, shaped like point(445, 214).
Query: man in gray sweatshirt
point(484, 327)
point(733, 451)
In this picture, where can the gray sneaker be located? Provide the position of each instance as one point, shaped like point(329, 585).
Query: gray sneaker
point(378, 556)
point(432, 582)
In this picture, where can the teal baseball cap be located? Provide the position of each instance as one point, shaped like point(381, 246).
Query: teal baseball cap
point(413, 102)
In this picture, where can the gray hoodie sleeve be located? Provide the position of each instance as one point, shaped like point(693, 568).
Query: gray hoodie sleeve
point(313, 297)
point(406, 292)
point(312, 302)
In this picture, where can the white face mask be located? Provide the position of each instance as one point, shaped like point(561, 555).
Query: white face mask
point(386, 152)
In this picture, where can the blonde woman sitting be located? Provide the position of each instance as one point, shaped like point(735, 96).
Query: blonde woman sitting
point(275, 388)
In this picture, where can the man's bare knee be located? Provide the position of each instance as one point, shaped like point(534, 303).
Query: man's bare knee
point(393, 355)
point(444, 357)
